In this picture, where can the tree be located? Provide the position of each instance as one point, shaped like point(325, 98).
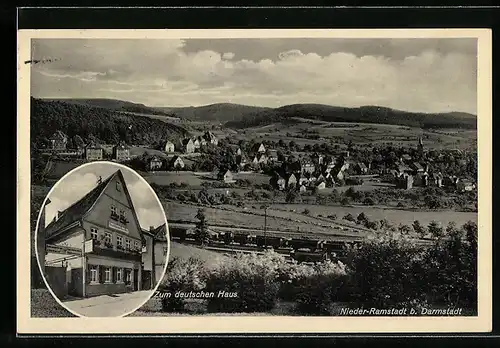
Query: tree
point(349, 217)
point(291, 195)
point(202, 235)
point(404, 229)
point(362, 218)
point(435, 229)
point(419, 229)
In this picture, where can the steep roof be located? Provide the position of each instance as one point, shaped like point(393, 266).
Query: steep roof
point(159, 233)
point(59, 134)
point(76, 211)
point(121, 145)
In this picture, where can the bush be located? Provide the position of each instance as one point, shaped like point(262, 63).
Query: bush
point(252, 277)
point(318, 287)
point(387, 272)
point(181, 275)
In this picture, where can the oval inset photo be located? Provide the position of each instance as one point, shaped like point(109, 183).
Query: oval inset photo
point(102, 240)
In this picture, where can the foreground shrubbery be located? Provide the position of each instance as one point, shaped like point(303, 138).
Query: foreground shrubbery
point(385, 272)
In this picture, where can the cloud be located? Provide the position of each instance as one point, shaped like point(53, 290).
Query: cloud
point(161, 73)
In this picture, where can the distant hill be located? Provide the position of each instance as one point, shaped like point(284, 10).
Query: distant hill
point(102, 124)
point(364, 114)
point(115, 104)
point(223, 112)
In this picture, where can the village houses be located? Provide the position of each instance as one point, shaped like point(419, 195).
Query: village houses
point(187, 145)
point(155, 163)
point(93, 152)
point(58, 141)
point(121, 151)
point(176, 163)
point(169, 147)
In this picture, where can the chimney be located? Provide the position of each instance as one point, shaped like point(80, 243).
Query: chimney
point(151, 228)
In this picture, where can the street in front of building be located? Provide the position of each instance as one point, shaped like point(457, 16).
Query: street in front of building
point(108, 305)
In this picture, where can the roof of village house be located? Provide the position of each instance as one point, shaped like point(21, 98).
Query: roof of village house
point(406, 156)
point(362, 165)
point(155, 158)
point(221, 174)
point(169, 142)
point(93, 145)
point(59, 134)
point(209, 136)
point(121, 145)
point(159, 233)
point(186, 141)
point(418, 166)
point(79, 208)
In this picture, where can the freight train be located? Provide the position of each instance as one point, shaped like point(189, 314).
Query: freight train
point(300, 249)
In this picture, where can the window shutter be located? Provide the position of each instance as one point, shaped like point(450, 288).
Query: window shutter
point(101, 273)
point(113, 274)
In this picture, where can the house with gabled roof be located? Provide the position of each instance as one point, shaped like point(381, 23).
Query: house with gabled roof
point(176, 163)
point(106, 220)
point(169, 147)
point(277, 181)
point(155, 163)
point(187, 145)
point(226, 176)
point(58, 141)
point(121, 151)
point(361, 168)
point(93, 152)
point(211, 138)
point(259, 147)
point(291, 180)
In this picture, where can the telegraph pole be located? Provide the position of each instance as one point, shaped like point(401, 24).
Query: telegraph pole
point(84, 268)
point(265, 226)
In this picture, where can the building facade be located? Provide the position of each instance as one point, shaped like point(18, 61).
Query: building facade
point(121, 152)
point(104, 226)
point(169, 147)
point(93, 152)
point(58, 141)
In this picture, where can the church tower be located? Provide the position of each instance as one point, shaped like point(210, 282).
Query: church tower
point(420, 146)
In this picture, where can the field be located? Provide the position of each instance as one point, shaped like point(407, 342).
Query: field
point(195, 179)
point(361, 133)
point(396, 216)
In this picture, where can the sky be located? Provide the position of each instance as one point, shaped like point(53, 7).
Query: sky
point(422, 75)
point(76, 185)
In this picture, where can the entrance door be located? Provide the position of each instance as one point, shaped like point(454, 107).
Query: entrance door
point(136, 279)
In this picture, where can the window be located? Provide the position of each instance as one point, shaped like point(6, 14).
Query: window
point(122, 213)
point(118, 186)
point(128, 276)
point(119, 275)
point(94, 274)
point(107, 275)
point(94, 233)
point(119, 241)
point(113, 210)
point(127, 243)
point(107, 237)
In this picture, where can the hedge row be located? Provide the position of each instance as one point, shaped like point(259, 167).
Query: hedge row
point(385, 272)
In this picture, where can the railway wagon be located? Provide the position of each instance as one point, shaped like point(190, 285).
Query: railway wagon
point(333, 246)
point(274, 242)
point(178, 233)
point(296, 244)
point(241, 238)
point(226, 237)
point(306, 255)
